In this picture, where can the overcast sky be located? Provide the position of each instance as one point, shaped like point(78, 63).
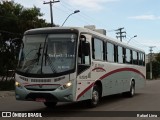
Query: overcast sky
point(138, 17)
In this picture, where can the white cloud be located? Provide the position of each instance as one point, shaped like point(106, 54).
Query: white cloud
point(30, 3)
point(90, 4)
point(145, 17)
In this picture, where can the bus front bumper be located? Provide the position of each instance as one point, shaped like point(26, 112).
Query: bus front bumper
point(58, 95)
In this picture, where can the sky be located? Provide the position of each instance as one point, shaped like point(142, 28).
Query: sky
point(138, 17)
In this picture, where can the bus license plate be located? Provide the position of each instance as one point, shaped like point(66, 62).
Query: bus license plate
point(40, 100)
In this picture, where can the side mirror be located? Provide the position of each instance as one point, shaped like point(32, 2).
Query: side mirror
point(84, 46)
point(86, 49)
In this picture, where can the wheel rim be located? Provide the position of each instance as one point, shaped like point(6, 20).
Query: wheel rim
point(95, 97)
point(132, 90)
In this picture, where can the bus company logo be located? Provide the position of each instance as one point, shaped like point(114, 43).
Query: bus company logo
point(99, 69)
point(40, 86)
point(6, 114)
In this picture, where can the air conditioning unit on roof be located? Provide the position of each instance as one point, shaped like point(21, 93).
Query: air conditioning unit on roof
point(93, 27)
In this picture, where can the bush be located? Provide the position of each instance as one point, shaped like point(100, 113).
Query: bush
point(7, 85)
point(155, 70)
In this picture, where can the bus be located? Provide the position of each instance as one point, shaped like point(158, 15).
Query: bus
point(71, 64)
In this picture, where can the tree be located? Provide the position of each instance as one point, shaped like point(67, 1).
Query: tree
point(155, 70)
point(14, 20)
point(158, 57)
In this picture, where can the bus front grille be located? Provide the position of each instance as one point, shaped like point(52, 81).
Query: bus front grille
point(33, 89)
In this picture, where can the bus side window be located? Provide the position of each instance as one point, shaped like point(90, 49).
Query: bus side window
point(120, 54)
point(110, 52)
point(128, 56)
point(98, 49)
point(141, 59)
point(135, 58)
point(83, 55)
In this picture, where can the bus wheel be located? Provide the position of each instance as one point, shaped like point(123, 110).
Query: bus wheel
point(131, 93)
point(50, 104)
point(95, 97)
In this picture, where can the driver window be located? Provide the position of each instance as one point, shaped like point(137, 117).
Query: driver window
point(83, 55)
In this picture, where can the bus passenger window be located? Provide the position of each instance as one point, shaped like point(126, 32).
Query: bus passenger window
point(97, 49)
point(120, 54)
point(110, 52)
point(140, 58)
point(135, 58)
point(128, 56)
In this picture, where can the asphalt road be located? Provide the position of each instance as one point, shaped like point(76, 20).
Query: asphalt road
point(146, 99)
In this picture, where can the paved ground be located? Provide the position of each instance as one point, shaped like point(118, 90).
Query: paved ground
point(146, 99)
point(6, 93)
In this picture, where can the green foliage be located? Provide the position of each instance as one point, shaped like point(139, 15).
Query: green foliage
point(14, 20)
point(7, 85)
point(155, 70)
point(158, 57)
point(17, 19)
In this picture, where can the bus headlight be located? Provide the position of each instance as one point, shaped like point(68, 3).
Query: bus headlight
point(68, 84)
point(17, 84)
point(65, 86)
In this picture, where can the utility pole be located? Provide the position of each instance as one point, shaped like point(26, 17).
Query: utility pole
point(120, 33)
point(50, 3)
point(151, 47)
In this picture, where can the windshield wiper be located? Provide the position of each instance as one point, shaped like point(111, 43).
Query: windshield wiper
point(35, 60)
point(47, 58)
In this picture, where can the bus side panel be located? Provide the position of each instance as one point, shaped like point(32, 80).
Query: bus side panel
point(140, 80)
point(115, 83)
point(87, 95)
point(84, 85)
point(119, 80)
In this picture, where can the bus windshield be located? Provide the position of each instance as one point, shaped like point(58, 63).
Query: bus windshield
point(47, 54)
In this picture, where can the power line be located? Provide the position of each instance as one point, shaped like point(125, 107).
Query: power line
point(84, 15)
point(120, 33)
point(135, 41)
point(81, 13)
point(51, 11)
point(78, 18)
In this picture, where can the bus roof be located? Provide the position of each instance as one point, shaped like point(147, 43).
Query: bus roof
point(82, 30)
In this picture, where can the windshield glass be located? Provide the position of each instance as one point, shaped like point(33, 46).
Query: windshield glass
point(47, 54)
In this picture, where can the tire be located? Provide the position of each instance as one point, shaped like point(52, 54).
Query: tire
point(131, 93)
point(94, 101)
point(50, 104)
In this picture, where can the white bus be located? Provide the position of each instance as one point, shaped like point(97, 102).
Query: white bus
point(71, 64)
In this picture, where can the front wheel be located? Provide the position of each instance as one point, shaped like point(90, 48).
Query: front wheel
point(93, 102)
point(50, 104)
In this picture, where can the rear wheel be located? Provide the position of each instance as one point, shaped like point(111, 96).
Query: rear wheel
point(131, 93)
point(50, 104)
point(93, 102)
